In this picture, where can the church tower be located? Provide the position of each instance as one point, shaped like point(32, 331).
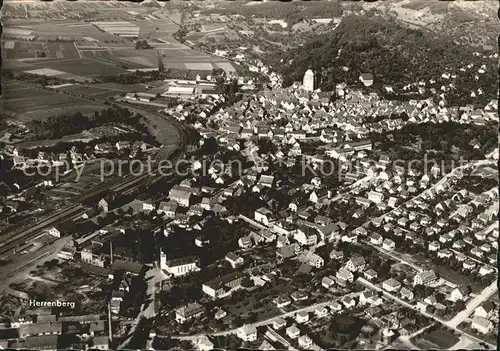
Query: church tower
point(308, 81)
point(163, 260)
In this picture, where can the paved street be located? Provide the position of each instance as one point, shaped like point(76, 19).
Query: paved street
point(393, 256)
point(252, 222)
point(310, 308)
point(413, 307)
point(152, 276)
point(473, 304)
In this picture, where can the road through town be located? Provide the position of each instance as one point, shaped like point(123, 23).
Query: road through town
point(169, 133)
point(413, 307)
point(310, 308)
point(473, 304)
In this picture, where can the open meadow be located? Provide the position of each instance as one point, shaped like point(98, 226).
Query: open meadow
point(82, 49)
point(29, 103)
point(102, 91)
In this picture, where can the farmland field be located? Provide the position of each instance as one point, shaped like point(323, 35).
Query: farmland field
point(128, 59)
point(18, 49)
point(78, 67)
point(95, 52)
point(102, 91)
point(29, 103)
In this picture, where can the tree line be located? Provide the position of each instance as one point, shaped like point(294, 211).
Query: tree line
point(394, 54)
point(58, 126)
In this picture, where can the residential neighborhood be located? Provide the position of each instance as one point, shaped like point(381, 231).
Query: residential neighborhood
point(218, 204)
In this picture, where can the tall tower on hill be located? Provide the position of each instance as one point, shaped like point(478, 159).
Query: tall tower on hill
point(308, 81)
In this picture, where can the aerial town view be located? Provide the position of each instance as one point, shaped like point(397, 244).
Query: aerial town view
point(199, 175)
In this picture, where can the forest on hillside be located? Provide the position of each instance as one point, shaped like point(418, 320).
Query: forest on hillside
point(394, 54)
point(291, 12)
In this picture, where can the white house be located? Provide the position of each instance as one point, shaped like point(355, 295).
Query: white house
point(482, 325)
point(313, 197)
point(459, 293)
point(302, 317)
point(356, 263)
point(282, 301)
point(327, 282)
point(247, 333)
point(66, 253)
point(344, 276)
point(245, 242)
point(263, 215)
point(485, 310)
point(406, 293)
point(293, 332)
point(220, 314)
point(425, 278)
point(103, 205)
point(203, 343)
point(485, 270)
point(188, 312)
point(388, 244)
point(375, 197)
point(305, 342)
point(321, 312)
point(434, 246)
point(391, 285)
point(266, 180)
point(234, 260)
point(370, 274)
point(54, 232)
point(279, 323)
point(348, 302)
point(335, 307)
point(370, 297)
point(350, 237)
point(376, 239)
point(168, 208)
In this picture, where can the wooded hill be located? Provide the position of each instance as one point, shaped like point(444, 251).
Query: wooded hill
point(394, 54)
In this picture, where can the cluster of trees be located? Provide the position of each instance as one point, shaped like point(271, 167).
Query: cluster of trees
point(477, 184)
point(467, 27)
point(133, 300)
point(380, 265)
point(172, 344)
point(125, 78)
point(291, 12)
point(180, 294)
point(246, 206)
point(229, 342)
point(180, 35)
point(37, 79)
point(141, 334)
point(142, 45)
point(413, 141)
point(58, 126)
point(223, 238)
point(395, 54)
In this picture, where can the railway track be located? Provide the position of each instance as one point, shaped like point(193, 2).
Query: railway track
point(13, 241)
point(128, 185)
